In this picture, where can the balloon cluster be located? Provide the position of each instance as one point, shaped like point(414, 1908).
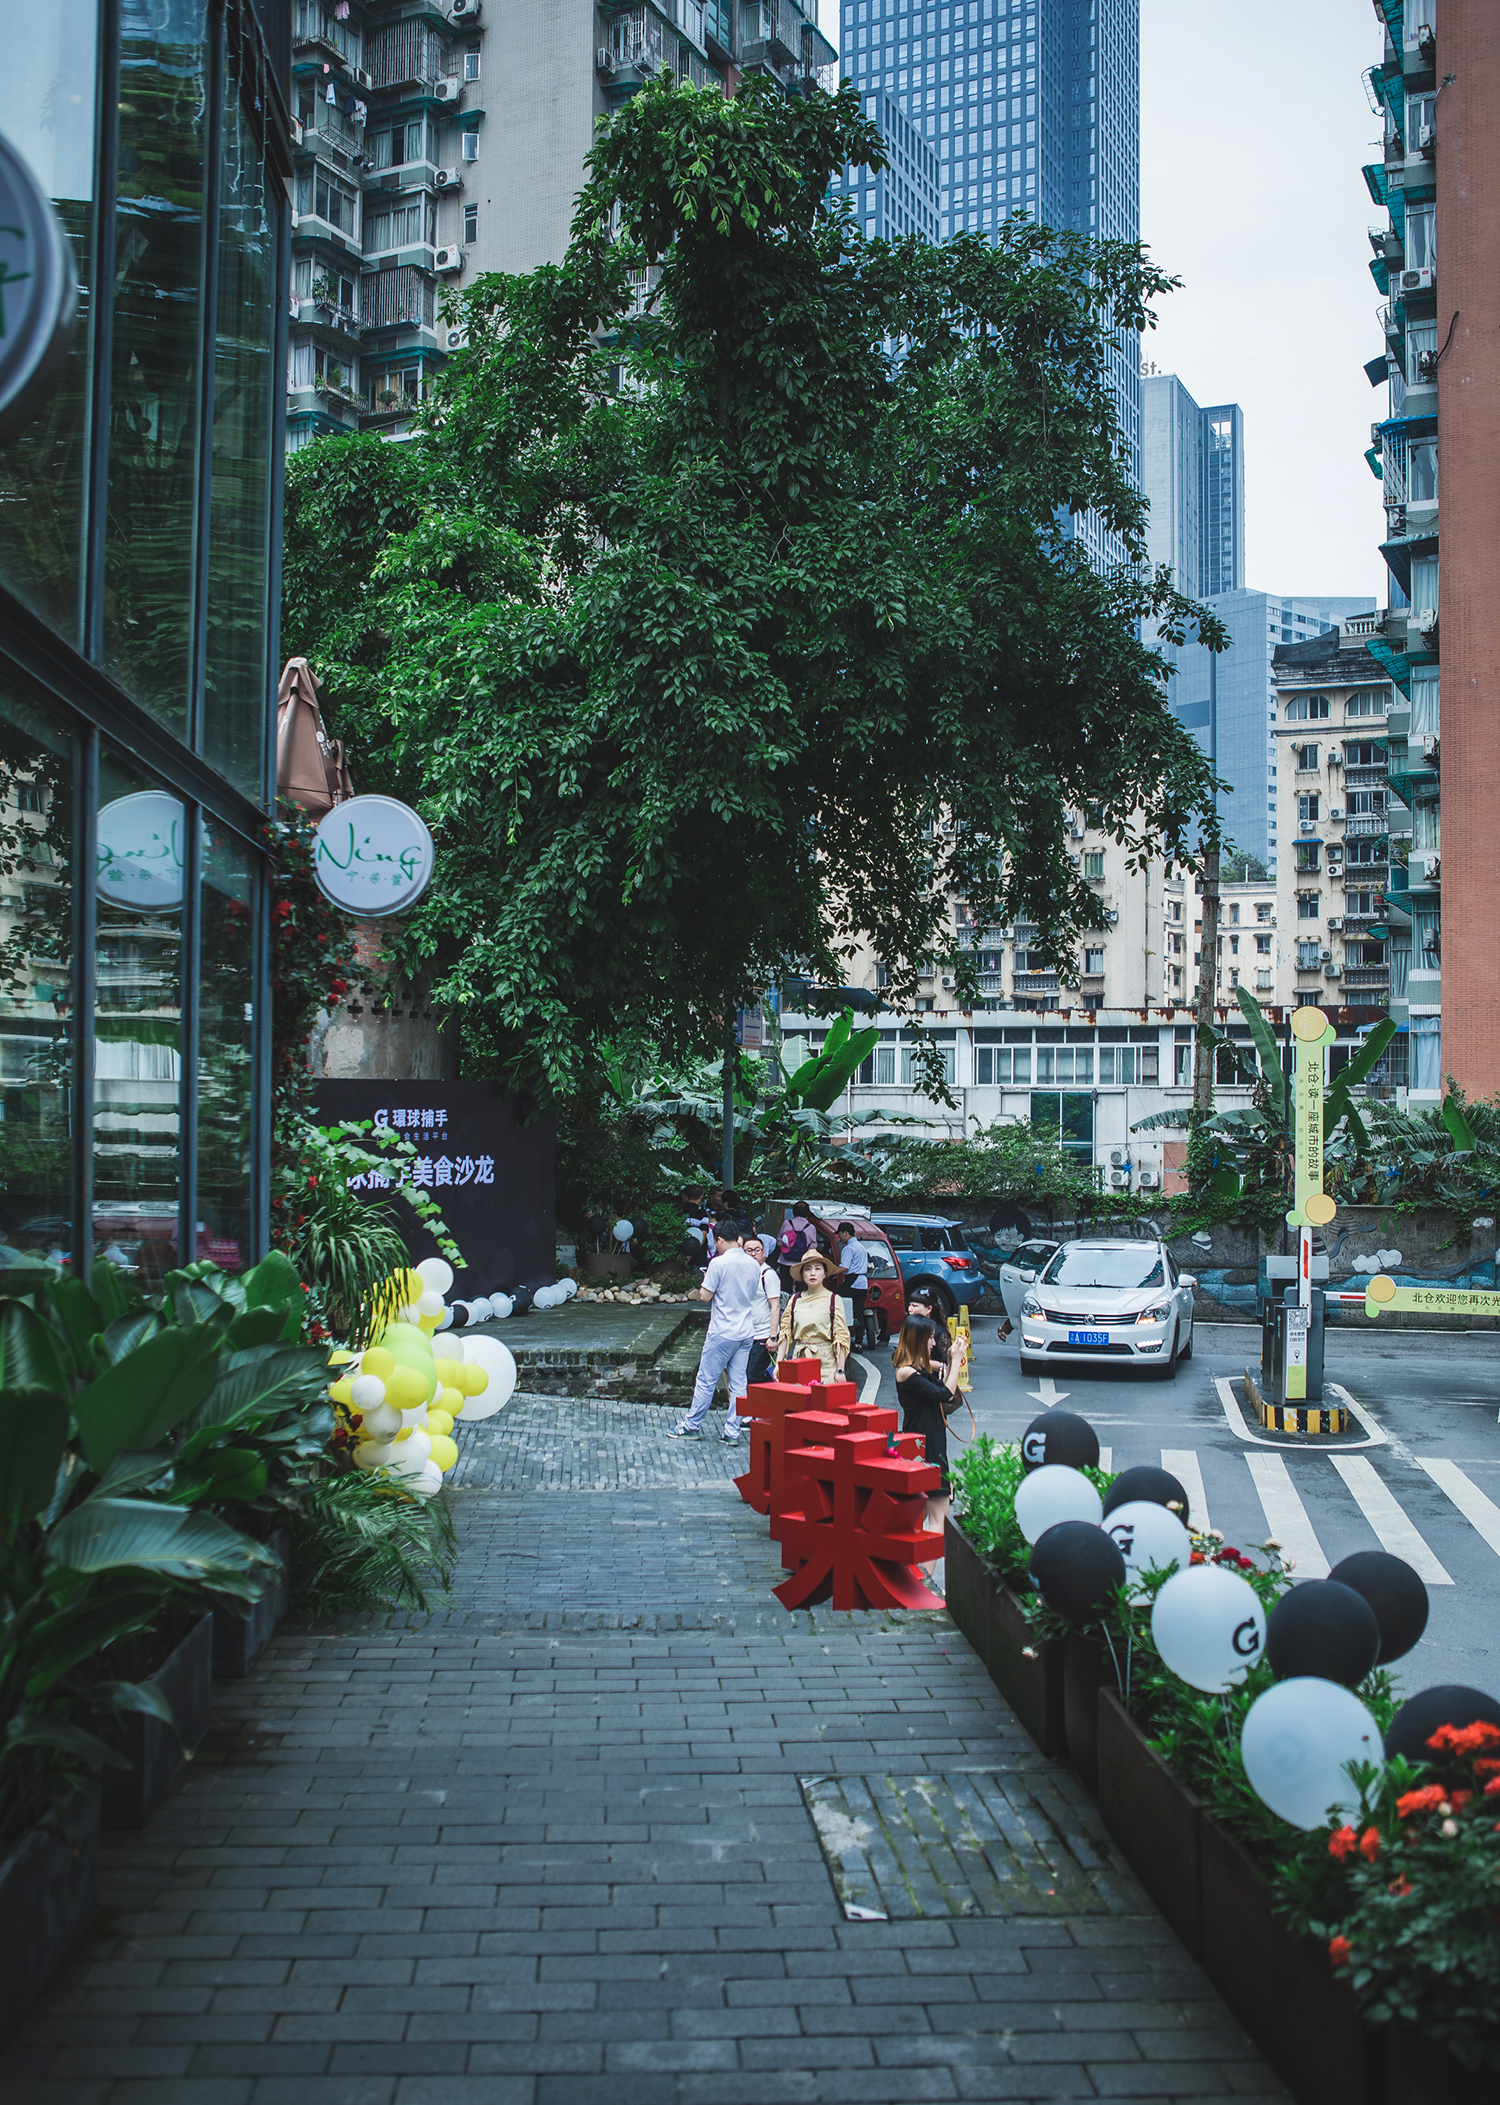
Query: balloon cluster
point(1084, 1547)
point(401, 1397)
point(495, 1307)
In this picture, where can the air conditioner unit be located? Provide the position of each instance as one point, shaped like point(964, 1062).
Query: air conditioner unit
point(449, 179)
point(1117, 1157)
point(1430, 749)
point(1111, 916)
point(1148, 1180)
point(1335, 920)
point(1333, 972)
point(450, 258)
point(447, 90)
point(1418, 280)
point(1335, 811)
point(1426, 137)
point(949, 981)
point(361, 78)
point(457, 339)
point(466, 10)
point(1119, 1178)
point(604, 59)
point(1327, 954)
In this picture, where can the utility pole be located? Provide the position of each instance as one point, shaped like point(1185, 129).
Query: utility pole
point(729, 1062)
point(1208, 969)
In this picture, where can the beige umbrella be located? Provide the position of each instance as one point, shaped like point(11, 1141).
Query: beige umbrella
point(311, 768)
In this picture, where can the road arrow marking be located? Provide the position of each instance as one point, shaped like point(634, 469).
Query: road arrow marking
point(1049, 1393)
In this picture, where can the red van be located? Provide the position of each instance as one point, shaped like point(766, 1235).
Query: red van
point(885, 1301)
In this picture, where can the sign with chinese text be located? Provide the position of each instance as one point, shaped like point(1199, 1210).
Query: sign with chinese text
point(374, 856)
point(1383, 1294)
point(490, 1173)
point(139, 851)
point(1311, 1033)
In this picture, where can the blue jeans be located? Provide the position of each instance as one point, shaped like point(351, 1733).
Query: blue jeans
point(729, 1357)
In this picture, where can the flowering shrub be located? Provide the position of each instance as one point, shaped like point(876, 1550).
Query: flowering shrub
point(1408, 1898)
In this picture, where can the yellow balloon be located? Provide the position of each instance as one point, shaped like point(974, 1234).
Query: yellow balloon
point(395, 1336)
point(444, 1451)
point(448, 1371)
point(404, 1434)
point(439, 1422)
point(340, 1359)
point(341, 1391)
point(413, 1285)
point(406, 1387)
point(475, 1379)
point(429, 1323)
point(379, 1362)
point(450, 1400)
point(458, 1406)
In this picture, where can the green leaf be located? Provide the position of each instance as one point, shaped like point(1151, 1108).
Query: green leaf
point(1458, 1126)
point(257, 1326)
point(1367, 1058)
point(110, 1534)
point(273, 1283)
point(267, 1380)
point(28, 1351)
point(146, 1394)
point(141, 1696)
point(80, 1316)
point(230, 1476)
point(64, 1739)
point(1265, 1044)
point(127, 1332)
point(132, 1470)
point(33, 1437)
point(110, 1291)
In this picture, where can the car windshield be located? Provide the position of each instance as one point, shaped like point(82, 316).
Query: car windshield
point(1119, 1268)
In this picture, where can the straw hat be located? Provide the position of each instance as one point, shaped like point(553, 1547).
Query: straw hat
point(831, 1268)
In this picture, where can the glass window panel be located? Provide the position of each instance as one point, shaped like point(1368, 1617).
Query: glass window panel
point(47, 94)
point(1046, 1113)
point(226, 1024)
point(1078, 1124)
point(36, 979)
point(138, 1022)
point(236, 692)
point(153, 449)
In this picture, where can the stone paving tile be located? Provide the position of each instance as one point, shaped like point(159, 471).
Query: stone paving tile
point(550, 1846)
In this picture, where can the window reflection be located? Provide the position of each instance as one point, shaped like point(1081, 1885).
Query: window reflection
point(138, 1023)
point(48, 87)
point(226, 1027)
point(36, 981)
point(158, 325)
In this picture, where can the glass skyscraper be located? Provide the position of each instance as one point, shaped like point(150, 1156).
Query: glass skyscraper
point(1029, 105)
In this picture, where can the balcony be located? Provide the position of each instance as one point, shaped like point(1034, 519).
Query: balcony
point(330, 135)
point(315, 34)
point(326, 314)
point(1035, 982)
point(401, 298)
point(776, 37)
point(1365, 824)
point(1367, 978)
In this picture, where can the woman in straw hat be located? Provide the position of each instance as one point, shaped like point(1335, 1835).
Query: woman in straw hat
point(812, 1323)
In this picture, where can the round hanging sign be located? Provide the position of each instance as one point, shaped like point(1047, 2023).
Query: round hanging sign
point(140, 851)
point(38, 294)
point(374, 856)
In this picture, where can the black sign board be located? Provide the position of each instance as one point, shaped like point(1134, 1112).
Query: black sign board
point(492, 1175)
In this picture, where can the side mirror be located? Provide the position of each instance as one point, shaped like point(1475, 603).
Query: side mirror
point(1028, 1277)
point(1187, 1279)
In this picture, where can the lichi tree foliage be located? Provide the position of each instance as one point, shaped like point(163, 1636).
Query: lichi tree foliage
point(708, 633)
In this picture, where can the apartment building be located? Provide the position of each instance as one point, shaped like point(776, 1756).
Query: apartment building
point(1249, 955)
point(435, 142)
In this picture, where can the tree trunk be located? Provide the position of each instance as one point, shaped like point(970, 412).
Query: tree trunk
point(1208, 971)
point(729, 1060)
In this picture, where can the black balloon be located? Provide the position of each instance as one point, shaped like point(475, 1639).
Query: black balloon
point(1324, 1629)
point(1417, 1720)
point(1076, 1567)
point(1158, 1486)
point(1060, 1436)
point(520, 1299)
point(1396, 1593)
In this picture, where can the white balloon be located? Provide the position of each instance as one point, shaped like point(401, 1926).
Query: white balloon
point(427, 1481)
point(542, 1298)
point(1054, 1493)
point(624, 1230)
point(445, 1319)
point(1149, 1538)
point(499, 1307)
point(413, 1451)
point(453, 1348)
point(480, 1311)
point(373, 1454)
point(380, 1421)
point(1297, 1740)
point(430, 1303)
point(366, 1391)
point(567, 1288)
point(416, 1415)
point(498, 1363)
point(436, 1273)
point(410, 1314)
point(1209, 1627)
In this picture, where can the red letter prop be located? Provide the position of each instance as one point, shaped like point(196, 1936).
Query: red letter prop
point(858, 1531)
point(766, 1405)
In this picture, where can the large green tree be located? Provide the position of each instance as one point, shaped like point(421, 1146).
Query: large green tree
point(727, 607)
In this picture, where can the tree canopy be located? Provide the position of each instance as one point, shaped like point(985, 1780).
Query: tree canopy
point(727, 607)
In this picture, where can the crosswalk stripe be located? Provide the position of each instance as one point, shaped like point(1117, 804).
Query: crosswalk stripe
point(1106, 1459)
point(1182, 1462)
point(1287, 1516)
point(1392, 1528)
point(1481, 1513)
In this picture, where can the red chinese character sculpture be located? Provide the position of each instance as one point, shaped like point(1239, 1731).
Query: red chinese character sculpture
point(856, 1530)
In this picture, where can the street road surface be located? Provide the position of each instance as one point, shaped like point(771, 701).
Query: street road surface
point(1419, 1474)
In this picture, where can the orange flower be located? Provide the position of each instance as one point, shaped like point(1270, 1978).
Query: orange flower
point(1197, 1558)
point(1341, 1843)
point(1339, 1950)
point(1487, 1765)
point(1423, 1801)
point(1400, 1887)
point(1369, 1844)
point(1465, 1739)
point(1492, 1788)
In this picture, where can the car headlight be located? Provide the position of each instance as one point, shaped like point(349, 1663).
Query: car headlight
point(1031, 1306)
point(1155, 1315)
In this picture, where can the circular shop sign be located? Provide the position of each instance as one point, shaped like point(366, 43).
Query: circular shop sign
point(38, 294)
point(374, 856)
point(140, 851)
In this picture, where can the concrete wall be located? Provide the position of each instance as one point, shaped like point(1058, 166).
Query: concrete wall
point(385, 1029)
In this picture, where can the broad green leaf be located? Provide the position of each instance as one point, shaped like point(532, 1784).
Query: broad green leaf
point(828, 1085)
point(131, 1470)
point(142, 1696)
point(33, 1437)
point(266, 1380)
point(28, 1351)
point(230, 1476)
point(24, 1731)
point(838, 1032)
point(1367, 1058)
point(1266, 1046)
point(108, 1534)
point(273, 1283)
point(127, 1332)
point(145, 1395)
point(21, 1281)
point(80, 1315)
point(1458, 1126)
point(111, 1292)
point(257, 1326)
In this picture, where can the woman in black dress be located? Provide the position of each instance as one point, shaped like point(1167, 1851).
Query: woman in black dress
point(928, 1390)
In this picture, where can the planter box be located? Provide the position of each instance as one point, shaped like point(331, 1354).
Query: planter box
point(49, 1894)
point(1280, 1986)
point(1154, 1819)
point(1422, 2072)
point(1087, 1671)
point(185, 1678)
point(240, 1639)
point(993, 1620)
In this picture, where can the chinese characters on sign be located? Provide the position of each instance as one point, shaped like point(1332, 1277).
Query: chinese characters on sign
point(374, 856)
point(428, 1170)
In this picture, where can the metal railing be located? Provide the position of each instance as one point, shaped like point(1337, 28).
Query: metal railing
point(1366, 822)
point(1367, 975)
point(313, 23)
point(391, 298)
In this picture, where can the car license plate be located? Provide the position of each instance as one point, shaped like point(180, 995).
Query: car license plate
point(1088, 1337)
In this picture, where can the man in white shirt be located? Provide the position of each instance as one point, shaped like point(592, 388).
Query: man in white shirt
point(767, 1314)
point(731, 1286)
point(855, 1259)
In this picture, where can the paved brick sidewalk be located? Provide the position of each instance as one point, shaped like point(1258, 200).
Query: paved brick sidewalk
point(551, 1847)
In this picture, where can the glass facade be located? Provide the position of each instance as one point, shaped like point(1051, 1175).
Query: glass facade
point(139, 516)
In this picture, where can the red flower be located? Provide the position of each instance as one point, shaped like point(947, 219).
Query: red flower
point(1341, 1843)
point(1492, 1788)
point(1339, 1950)
point(1423, 1801)
point(1400, 1887)
point(1465, 1739)
point(1369, 1844)
point(1197, 1558)
point(1487, 1765)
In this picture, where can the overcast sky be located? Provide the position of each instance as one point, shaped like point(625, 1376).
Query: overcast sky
point(1253, 197)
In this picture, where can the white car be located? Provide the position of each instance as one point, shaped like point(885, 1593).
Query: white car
point(1019, 1272)
point(1108, 1301)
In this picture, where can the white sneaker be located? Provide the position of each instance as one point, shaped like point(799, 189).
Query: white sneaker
point(731, 1439)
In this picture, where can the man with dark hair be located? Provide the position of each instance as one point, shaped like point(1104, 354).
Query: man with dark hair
point(855, 1259)
point(731, 1286)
